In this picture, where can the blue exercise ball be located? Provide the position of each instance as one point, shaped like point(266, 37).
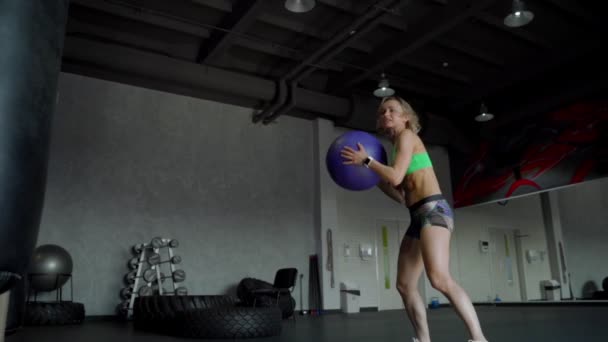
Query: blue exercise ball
point(50, 268)
point(354, 177)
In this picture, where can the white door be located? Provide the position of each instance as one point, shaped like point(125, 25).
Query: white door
point(388, 240)
point(503, 267)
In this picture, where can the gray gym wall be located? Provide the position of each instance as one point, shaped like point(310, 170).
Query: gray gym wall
point(583, 211)
point(128, 164)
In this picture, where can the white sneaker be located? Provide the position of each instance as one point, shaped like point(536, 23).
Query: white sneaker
point(415, 339)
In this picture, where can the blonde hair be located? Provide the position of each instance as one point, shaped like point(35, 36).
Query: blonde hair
point(412, 124)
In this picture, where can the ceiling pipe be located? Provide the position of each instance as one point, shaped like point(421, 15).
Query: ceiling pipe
point(146, 69)
point(159, 69)
point(291, 103)
point(370, 18)
point(281, 95)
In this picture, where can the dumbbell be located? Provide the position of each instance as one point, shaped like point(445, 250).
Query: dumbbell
point(151, 290)
point(147, 275)
point(133, 262)
point(177, 276)
point(127, 292)
point(180, 291)
point(130, 277)
point(138, 248)
point(155, 258)
point(156, 242)
point(145, 291)
point(122, 309)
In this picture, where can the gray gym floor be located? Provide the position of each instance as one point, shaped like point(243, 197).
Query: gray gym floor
point(501, 324)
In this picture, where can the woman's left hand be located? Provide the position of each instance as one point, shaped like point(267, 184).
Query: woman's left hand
point(353, 156)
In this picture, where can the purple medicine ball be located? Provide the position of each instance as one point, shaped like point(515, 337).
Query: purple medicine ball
point(354, 177)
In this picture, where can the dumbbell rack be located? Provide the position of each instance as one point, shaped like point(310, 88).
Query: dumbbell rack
point(155, 246)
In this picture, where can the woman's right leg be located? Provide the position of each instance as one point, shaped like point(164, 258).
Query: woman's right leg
point(409, 268)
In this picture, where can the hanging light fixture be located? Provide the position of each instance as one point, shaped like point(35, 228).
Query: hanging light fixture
point(519, 15)
point(384, 88)
point(299, 6)
point(483, 114)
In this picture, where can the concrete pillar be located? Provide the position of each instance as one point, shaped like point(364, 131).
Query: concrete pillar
point(326, 216)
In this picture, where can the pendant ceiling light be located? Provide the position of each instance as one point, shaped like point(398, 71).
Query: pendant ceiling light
point(299, 6)
point(519, 15)
point(384, 88)
point(483, 114)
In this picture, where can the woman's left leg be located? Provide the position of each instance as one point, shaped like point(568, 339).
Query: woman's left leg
point(435, 246)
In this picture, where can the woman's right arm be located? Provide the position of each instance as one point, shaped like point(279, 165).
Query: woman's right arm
point(392, 192)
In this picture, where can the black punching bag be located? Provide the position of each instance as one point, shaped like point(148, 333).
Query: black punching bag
point(31, 43)
point(16, 307)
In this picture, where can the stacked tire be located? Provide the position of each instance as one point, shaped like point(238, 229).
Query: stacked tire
point(204, 317)
point(59, 313)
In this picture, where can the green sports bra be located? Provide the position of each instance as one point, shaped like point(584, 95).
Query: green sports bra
point(419, 161)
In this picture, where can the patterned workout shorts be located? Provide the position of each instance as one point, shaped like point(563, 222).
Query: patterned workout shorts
point(431, 211)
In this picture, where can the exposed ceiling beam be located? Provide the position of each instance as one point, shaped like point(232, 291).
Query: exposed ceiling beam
point(285, 23)
point(331, 47)
point(284, 52)
point(366, 22)
point(471, 51)
point(520, 33)
point(524, 70)
point(437, 71)
point(357, 7)
point(354, 7)
point(146, 16)
point(191, 26)
point(431, 27)
point(184, 25)
point(557, 97)
point(187, 22)
point(320, 33)
point(107, 33)
point(429, 91)
point(244, 13)
point(413, 84)
point(167, 72)
point(574, 8)
point(222, 5)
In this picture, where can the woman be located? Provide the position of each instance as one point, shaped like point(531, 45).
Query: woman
point(410, 180)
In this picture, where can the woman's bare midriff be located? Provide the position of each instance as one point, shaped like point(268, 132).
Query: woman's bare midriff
point(422, 183)
point(419, 185)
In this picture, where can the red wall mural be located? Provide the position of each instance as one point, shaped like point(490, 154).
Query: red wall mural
point(564, 147)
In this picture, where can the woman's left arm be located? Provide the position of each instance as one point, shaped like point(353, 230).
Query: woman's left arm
point(392, 174)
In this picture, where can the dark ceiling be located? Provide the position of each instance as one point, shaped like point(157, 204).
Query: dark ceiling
point(445, 56)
